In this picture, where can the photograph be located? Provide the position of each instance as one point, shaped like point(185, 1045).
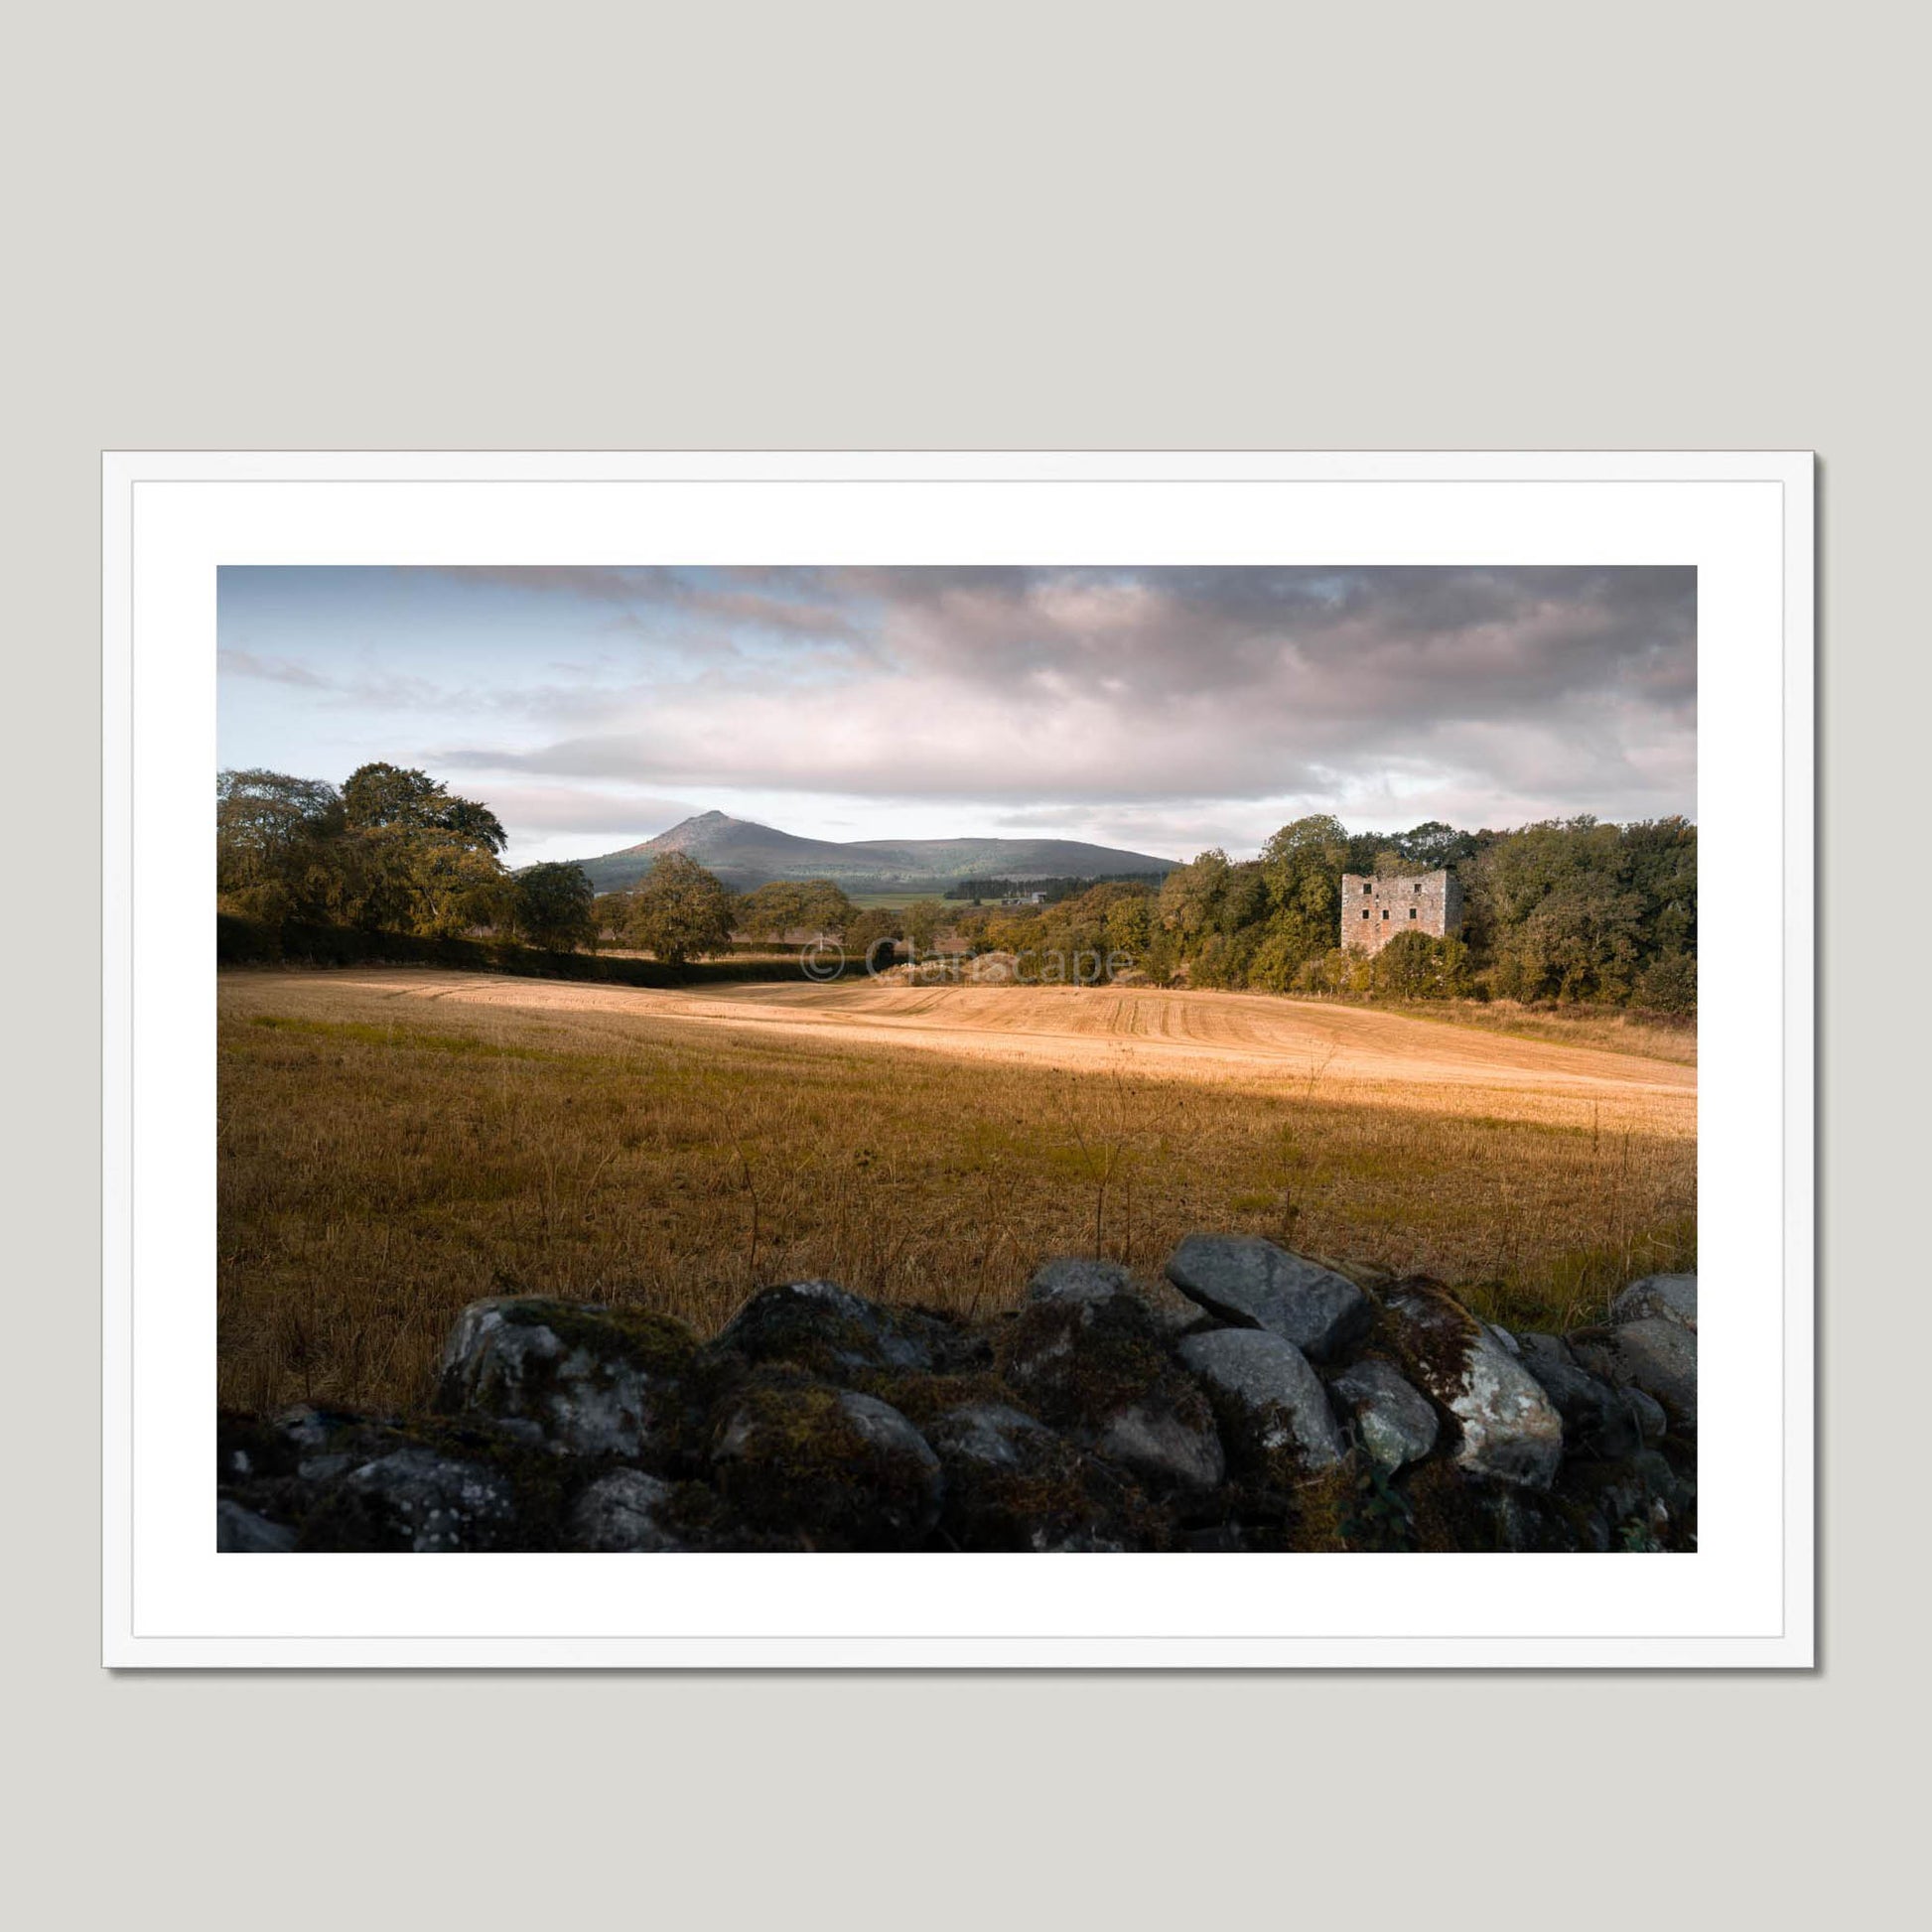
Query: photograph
point(957, 1059)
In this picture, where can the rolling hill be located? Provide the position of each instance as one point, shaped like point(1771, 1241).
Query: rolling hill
point(744, 855)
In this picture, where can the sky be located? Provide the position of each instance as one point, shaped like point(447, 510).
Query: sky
point(1163, 710)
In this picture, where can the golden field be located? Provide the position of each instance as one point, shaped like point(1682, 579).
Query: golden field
point(395, 1141)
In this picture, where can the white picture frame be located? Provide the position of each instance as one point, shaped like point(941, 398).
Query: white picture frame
point(1743, 520)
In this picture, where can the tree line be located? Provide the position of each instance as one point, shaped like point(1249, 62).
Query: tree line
point(1570, 909)
point(393, 850)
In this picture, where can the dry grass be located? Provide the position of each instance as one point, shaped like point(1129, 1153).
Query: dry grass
point(1609, 1030)
point(386, 1158)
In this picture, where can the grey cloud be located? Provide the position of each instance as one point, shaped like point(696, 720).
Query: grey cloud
point(527, 810)
point(275, 670)
point(1164, 697)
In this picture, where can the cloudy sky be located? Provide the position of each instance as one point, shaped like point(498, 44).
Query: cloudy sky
point(1162, 709)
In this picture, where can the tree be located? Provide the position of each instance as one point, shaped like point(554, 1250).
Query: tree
point(377, 796)
point(552, 906)
point(871, 930)
point(785, 906)
point(824, 908)
point(1434, 846)
point(394, 851)
point(273, 838)
point(769, 912)
point(924, 920)
point(1418, 966)
point(680, 912)
point(1190, 894)
point(1670, 985)
point(417, 858)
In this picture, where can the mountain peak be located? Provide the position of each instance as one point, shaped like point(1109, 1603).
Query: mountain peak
point(744, 854)
point(699, 825)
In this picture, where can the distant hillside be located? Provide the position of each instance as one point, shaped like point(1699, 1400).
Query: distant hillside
point(744, 855)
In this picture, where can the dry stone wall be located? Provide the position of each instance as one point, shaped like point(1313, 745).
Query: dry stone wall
point(1252, 1399)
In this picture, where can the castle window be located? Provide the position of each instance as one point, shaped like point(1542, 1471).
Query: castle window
point(1366, 887)
point(1385, 911)
point(1364, 912)
point(1411, 911)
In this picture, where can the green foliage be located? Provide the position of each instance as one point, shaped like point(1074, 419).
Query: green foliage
point(393, 850)
point(775, 910)
point(273, 837)
point(1573, 909)
point(552, 906)
point(1567, 910)
point(381, 796)
point(1417, 966)
point(925, 919)
point(679, 911)
point(868, 930)
point(1073, 940)
point(1670, 984)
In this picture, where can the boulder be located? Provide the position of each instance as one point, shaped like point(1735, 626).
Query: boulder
point(1075, 1277)
point(319, 1444)
point(1509, 1430)
point(835, 1334)
point(1394, 1424)
point(1014, 1484)
point(415, 1499)
point(1272, 1410)
point(1597, 1419)
point(1671, 1298)
point(1164, 1448)
point(238, 1530)
point(1536, 1349)
point(1101, 1371)
point(1655, 1353)
point(830, 1469)
point(1652, 1422)
point(1256, 1284)
point(625, 1510)
point(987, 1435)
point(573, 1376)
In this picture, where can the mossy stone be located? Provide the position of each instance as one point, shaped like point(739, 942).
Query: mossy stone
point(579, 1377)
point(831, 1468)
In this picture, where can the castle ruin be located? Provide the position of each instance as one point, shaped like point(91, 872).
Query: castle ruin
point(1376, 910)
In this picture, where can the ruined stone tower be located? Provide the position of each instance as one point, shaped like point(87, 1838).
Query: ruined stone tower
point(1374, 911)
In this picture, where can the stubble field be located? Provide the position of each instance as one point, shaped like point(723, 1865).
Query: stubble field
point(397, 1141)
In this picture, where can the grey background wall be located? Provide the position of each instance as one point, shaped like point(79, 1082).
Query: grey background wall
point(1109, 225)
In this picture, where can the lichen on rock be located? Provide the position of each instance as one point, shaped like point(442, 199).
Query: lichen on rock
point(1394, 1424)
point(1508, 1429)
point(577, 1377)
point(822, 1327)
point(1272, 1410)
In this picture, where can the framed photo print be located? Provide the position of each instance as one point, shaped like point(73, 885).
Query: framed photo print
point(974, 1059)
